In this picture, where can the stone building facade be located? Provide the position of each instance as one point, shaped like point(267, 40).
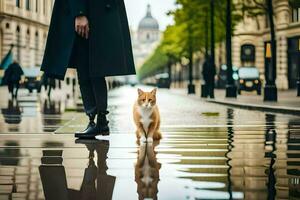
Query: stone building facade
point(24, 23)
point(252, 35)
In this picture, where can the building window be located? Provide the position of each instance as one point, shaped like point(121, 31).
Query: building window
point(7, 25)
point(18, 38)
point(295, 11)
point(45, 7)
point(27, 4)
point(36, 49)
point(37, 6)
point(18, 3)
point(247, 53)
point(295, 14)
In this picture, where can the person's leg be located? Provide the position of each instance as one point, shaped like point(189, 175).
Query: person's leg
point(11, 89)
point(85, 85)
point(17, 89)
point(100, 93)
point(84, 80)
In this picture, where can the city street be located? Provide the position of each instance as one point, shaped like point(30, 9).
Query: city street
point(208, 151)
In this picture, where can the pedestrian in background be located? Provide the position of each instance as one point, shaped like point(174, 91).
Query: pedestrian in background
point(12, 77)
point(49, 84)
point(209, 72)
point(94, 38)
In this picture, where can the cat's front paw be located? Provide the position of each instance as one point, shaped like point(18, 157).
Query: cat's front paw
point(150, 140)
point(143, 139)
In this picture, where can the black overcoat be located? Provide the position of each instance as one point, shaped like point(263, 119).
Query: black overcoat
point(110, 50)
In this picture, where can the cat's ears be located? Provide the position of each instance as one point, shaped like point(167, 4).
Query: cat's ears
point(140, 92)
point(154, 91)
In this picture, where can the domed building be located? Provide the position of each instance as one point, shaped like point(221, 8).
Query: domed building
point(148, 30)
point(146, 38)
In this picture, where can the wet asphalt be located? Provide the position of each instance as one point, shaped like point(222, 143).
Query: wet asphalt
point(208, 151)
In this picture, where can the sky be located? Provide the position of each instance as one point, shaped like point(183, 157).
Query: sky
point(136, 10)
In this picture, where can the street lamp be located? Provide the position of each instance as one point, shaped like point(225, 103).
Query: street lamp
point(191, 86)
point(231, 89)
point(270, 91)
point(298, 81)
point(212, 42)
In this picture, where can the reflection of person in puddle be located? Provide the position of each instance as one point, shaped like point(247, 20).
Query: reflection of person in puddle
point(147, 171)
point(12, 114)
point(54, 177)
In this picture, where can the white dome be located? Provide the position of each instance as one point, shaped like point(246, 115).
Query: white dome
point(148, 22)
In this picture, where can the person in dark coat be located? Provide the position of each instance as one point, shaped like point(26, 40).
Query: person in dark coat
point(12, 77)
point(209, 72)
point(92, 36)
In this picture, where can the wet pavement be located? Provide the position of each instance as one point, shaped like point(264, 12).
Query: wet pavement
point(208, 151)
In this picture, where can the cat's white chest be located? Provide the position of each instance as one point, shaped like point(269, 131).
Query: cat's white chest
point(145, 117)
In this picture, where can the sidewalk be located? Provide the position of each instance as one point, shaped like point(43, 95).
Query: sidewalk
point(288, 102)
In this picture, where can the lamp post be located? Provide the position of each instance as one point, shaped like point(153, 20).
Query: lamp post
point(212, 45)
point(231, 89)
point(298, 81)
point(212, 33)
point(206, 57)
point(270, 91)
point(191, 86)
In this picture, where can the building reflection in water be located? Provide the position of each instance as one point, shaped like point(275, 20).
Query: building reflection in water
point(96, 184)
point(51, 107)
point(12, 114)
point(9, 156)
point(147, 171)
point(293, 156)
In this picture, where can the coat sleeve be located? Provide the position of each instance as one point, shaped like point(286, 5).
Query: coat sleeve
point(78, 7)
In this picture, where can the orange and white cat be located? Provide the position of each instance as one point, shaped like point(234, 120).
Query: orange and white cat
point(146, 116)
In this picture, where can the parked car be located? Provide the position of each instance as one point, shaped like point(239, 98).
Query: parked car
point(162, 80)
point(222, 76)
point(32, 79)
point(249, 80)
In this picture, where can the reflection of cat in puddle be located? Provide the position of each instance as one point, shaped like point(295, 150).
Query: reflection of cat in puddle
point(147, 171)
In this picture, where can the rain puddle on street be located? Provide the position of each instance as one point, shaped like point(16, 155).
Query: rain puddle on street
point(227, 154)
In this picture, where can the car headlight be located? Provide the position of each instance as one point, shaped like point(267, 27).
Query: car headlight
point(241, 81)
point(256, 81)
point(38, 78)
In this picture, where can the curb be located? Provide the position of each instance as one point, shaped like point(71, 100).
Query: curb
point(265, 108)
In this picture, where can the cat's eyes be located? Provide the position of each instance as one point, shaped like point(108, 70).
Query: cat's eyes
point(143, 99)
point(150, 99)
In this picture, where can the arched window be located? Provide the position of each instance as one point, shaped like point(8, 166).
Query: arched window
point(7, 25)
point(247, 53)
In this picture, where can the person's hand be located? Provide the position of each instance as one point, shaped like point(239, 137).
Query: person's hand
point(82, 26)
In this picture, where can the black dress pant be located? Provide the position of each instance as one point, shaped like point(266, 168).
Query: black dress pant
point(93, 88)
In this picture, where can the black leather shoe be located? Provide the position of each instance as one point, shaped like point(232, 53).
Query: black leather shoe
point(89, 131)
point(102, 123)
point(101, 128)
